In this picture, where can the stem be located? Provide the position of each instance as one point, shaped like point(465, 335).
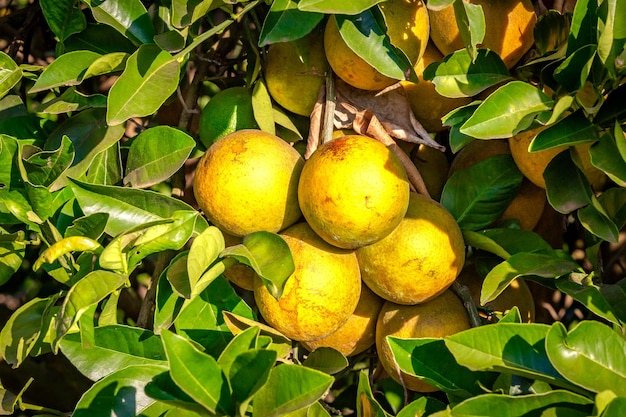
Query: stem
point(463, 293)
point(33, 407)
point(214, 31)
point(147, 307)
point(329, 108)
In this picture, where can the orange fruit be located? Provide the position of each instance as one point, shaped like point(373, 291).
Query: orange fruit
point(353, 191)
point(320, 295)
point(248, 181)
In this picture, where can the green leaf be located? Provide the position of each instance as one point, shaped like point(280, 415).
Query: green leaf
point(119, 394)
point(612, 110)
point(248, 374)
point(242, 342)
point(167, 304)
point(91, 289)
point(268, 255)
point(262, 107)
point(573, 72)
point(127, 207)
point(23, 329)
point(238, 324)
point(455, 120)
point(567, 403)
point(12, 251)
point(605, 300)
point(129, 18)
point(99, 38)
point(516, 348)
point(590, 355)
point(505, 242)
point(478, 195)
point(155, 155)
point(327, 360)
point(366, 404)
point(571, 130)
point(422, 406)
point(286, 22)
point(551, 31)
point(150, 77)
point(594, 219)
point(583, 30)
point(163, 389)
point(616, 407)
point(63, 18)
point(607, 156)
point(116, 347)
point(185, 13)
point(470, 20)
point(289, 388)
point(567, 188)
point(460, 76)
point(507, 111)
point(106, 167)
point(197, 374)
point(176, 274)
point(42, 168)
point(366, 35)
point(201, 318)
point(72, 101)
point(66, 70)
point(334, 7)
point(10, 74)
point(90, 135)
point(414, 356)
point(204, 251)
point(523, 264)
point(91, 226)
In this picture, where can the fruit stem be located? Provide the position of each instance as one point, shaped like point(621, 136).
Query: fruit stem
point(366, 123)
point(464, 294)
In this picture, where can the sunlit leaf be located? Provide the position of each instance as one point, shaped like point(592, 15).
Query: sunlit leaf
point(63, 17)
point(185, 13)
point(366, 404)
point(204, 250)
point(72, 101)
point(286, 22)
point(66, 70)
point(248, 373)
point(571, 130)
point(327, 360)
point(10, 74)
point(130, 18)
point(470, 20)
point(573, 72)
point(334, 7)
point(507, 111)
point(604, 300)
point(607, 156)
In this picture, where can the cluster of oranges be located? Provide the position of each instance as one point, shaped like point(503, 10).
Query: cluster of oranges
point(372, 258)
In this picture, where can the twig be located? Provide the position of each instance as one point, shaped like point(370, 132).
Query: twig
point(463, 293)
point(149, 301)
point(329, 108)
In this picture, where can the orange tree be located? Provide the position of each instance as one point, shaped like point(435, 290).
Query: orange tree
point(115, 300)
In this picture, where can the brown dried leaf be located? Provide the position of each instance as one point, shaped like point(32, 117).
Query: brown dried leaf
point(391, 107)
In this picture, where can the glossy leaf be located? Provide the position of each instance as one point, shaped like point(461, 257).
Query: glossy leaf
point(594, 218)
point(478, 195)
point(167, 304)
point(573, 72)
point(583, 30)
point(116, 347)
point(106, 167)
point(606, 156)
point(163, 389)
point(205, 249)
point(289, 388)
point(268, 255)
point(551, 31)
point(42, 167)
point(365, 34)
point(201, 318)
point(90, 135)
point(63, 18)
point(72, 101)
point(12, 251)
point(516, 348)
point(523, 264)
point(460, 76)
point(92, 289)
point(287, 22)
point(155, 155)
point(185, 13)
point(422, 406)
point(10, 74)
point(571, 130)
point(414, 356)
point(596, 363)
point(507, 111)
point(99, 38)
point(262, 107)
point(119, 394)
point(470, 20)
point(242, 342)
point(612, 110)
point(237, 324)
point(506, 242)
point(327, 360)
point(91, 226)
point(248, 373)
point(488, 405)
point(126, 207)
point(129, 18)
point(176, 274)
point(333, 7)
point(197, 374)
point(22, 329)
point(605, 300)
point(106, 64)
point(68, 69)
point(150, 77)
point(455, 120)
point(567, 188)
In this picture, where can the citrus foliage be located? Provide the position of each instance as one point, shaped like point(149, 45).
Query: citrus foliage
point(95, 204)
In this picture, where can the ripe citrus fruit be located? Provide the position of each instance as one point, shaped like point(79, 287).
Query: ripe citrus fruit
point(248, 181)
point(407, 27)
point(427, 104)
point(353, 191)
point(359, 332)
point(228, 111)
point(530, 200)
point(516, 294)
point(439, 317)
point(508, 32)
point(533, 164)
point(433, 166)
point(320, 295)
point(419, 259)
point(294, 72)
